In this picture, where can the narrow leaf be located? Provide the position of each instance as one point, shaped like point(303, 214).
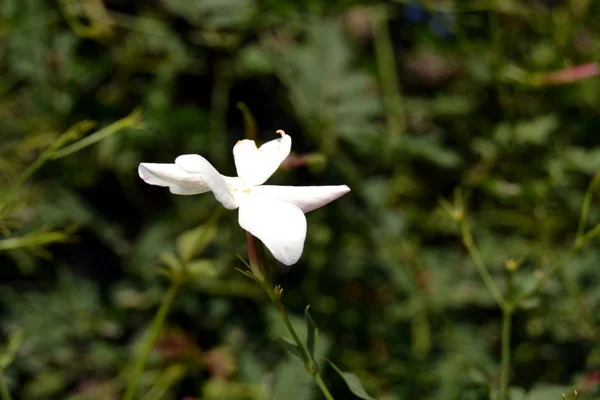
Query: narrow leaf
point(244, 261)
point(353, 383)
point(311, 336)
point(289, 346)
point(10, 353)
point(248, 274)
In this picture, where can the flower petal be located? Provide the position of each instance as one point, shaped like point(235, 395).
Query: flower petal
point(254, 166)
point(280, 225)
point(198, 165)
point(170, 175)
point(308, 198)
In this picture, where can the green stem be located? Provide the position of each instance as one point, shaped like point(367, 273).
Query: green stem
point(4, 393)
point(151, 336)
point(267, 286)
point(579, 243)
point(386, 66)
point(56, 149)
point(288, 324)
point(38, 163)
point(305, 356)
point(322, 386)
point(585, 208)
point(132, 120)
point(469, 243)
point(505, 362)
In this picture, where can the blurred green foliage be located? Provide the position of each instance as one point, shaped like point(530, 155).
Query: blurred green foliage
point(403, 101)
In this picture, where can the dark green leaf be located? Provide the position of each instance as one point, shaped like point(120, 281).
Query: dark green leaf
point(289, 346)
point(353, 383)
point(247, 273)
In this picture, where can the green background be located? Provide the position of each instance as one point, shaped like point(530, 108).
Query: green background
point(403, 102)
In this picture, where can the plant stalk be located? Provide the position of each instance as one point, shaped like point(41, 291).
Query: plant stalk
point(505, 361)
point(469, 243)
point(305, 356)
point(322, 386)
point(151, 337)
point(267, 286)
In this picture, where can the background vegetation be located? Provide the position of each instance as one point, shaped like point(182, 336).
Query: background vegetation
point(405, 102)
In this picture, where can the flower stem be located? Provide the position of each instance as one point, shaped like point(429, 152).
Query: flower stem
point(469, 243)
point(507, 307)
point(267, 286)
point(559, 264)
point(4, 393)
point(305, 356)
point(585, 208)
point(505, 361)
point(151, 336)
point(322, 386)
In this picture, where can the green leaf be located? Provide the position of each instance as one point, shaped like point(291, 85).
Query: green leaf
point(191, 243)
point(171, 261)
point(13, 346)
point(289, 346)
point(311, 336)
point(353, 383)
point(201, 269)
point(537, 130)
point(247, 273)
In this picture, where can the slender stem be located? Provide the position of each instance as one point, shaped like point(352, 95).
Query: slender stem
point(37, 164)
point(322, 386)
point(505, 362)
point(585, 208)
point(267, 286)
point(56, 149)
point(151, 336)
point(561, 262)
point(288, 324)
point(4, 393)
point(469, 243)
point(132, 120)
point(305, 356)
point(386, 65)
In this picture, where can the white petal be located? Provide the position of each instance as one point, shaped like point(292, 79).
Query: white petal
point(254, 166)
point(170, 175)
point(308, 198)
point(198, 165)
point(280, 225)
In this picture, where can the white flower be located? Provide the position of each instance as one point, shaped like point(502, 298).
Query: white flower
point(274, 214)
